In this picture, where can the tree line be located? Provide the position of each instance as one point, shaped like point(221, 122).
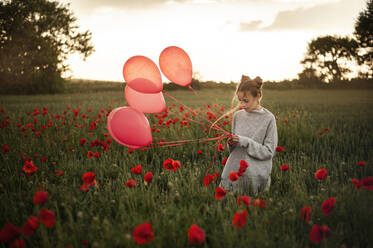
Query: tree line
point(36, 37)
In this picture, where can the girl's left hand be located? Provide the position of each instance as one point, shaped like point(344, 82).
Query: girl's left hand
point(233, 140)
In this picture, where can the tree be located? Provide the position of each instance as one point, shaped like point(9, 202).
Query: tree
point(329, 58)
point(364, 35)
point(36, 36)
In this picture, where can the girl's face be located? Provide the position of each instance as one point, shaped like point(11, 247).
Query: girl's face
point(248, 101)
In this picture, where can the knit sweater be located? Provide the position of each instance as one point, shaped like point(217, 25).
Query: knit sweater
point(257, 132)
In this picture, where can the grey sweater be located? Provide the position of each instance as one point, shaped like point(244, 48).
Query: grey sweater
point(257, 132)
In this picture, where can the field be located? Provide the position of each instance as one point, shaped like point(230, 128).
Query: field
point(318, 129)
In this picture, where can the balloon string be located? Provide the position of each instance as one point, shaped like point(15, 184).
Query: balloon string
point(195, 93)
point(173, 98)
point(190, 140)
point(216, 153)
point(199, 122)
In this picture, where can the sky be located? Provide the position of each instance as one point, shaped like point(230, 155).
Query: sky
point(223, 38)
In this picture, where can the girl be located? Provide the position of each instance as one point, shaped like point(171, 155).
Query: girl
point(254, 140)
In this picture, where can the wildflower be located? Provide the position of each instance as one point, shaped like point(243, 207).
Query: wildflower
point(361, 163)
point(305, 213)
point(40, 197)
point(30, 226)
point(328, 206)
point(29, 168)
point(131, 183)
point(5, 148)
point(8, 233)
point(137, 169)
point(47, 217)
point(279, 149)
point(321, 174)
point(148, 177)
point(367, 183)
point(220, 193)
point(284, 167)
point(239, 219)
point(196, 234)
point(207, 180)
point(233, 176)
point(244, 200)
point(143, 233)
point(220, 147)
point(89, 178)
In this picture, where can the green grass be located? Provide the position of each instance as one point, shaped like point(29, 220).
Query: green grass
point(105, 216)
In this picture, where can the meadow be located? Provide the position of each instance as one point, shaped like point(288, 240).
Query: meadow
point(317, 129)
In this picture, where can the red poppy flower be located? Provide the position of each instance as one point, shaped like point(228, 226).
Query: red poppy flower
point(215, 175)
point(220, 147)
point(41, 197)
point(199, 152)
point(357, 183)
point(321, 174)
point(207, 180)
point(325, 230)
point(9, 233)
point(89, 154)
point(196, 234)
point(244, 200)
point(5, 148)
point(97, 155)
point(59, 173)
point(224, 161)
point(176, 164)
point(305, 213)
point(233, 176)
point(259, 203)
point(29, 168)
point(284, 167)
point(47, 217)
point(82, 141)
point(148, 177)
point(137, 169)
point(220, 193)
point(279, 149)
point(131, 183)
point(143, 233)
point(30, 226)
point(328, 206)
point(239, 219)
point(361, 163)
point(315, 234)
point(19, 243)
point(243, 167)
point(367, 183)
point(130, 150)
point(89, 178)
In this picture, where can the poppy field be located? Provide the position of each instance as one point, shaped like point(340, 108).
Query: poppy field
point(65, 182)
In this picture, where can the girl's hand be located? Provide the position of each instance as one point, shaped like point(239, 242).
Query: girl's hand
point(233, 140)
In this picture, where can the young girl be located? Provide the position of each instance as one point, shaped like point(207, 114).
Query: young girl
point(254, 140)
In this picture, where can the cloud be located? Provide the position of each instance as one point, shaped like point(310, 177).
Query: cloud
point(332, 16)
point(254, 25)
point(128, 4)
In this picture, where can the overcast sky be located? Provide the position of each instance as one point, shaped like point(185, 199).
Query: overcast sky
point(224, 38)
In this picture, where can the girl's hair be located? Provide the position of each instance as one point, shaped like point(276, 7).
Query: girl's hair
point(254, 86)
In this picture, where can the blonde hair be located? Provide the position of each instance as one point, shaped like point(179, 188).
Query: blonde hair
point(254, 86)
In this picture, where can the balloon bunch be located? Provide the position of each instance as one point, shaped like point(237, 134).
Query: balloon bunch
point(144, 93)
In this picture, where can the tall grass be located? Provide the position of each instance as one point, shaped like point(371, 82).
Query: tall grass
point(105, 216)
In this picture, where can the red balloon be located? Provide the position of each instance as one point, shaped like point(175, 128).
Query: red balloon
point(129, 127)
point(142, 74)
point(146, 103)
point(176, 65)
